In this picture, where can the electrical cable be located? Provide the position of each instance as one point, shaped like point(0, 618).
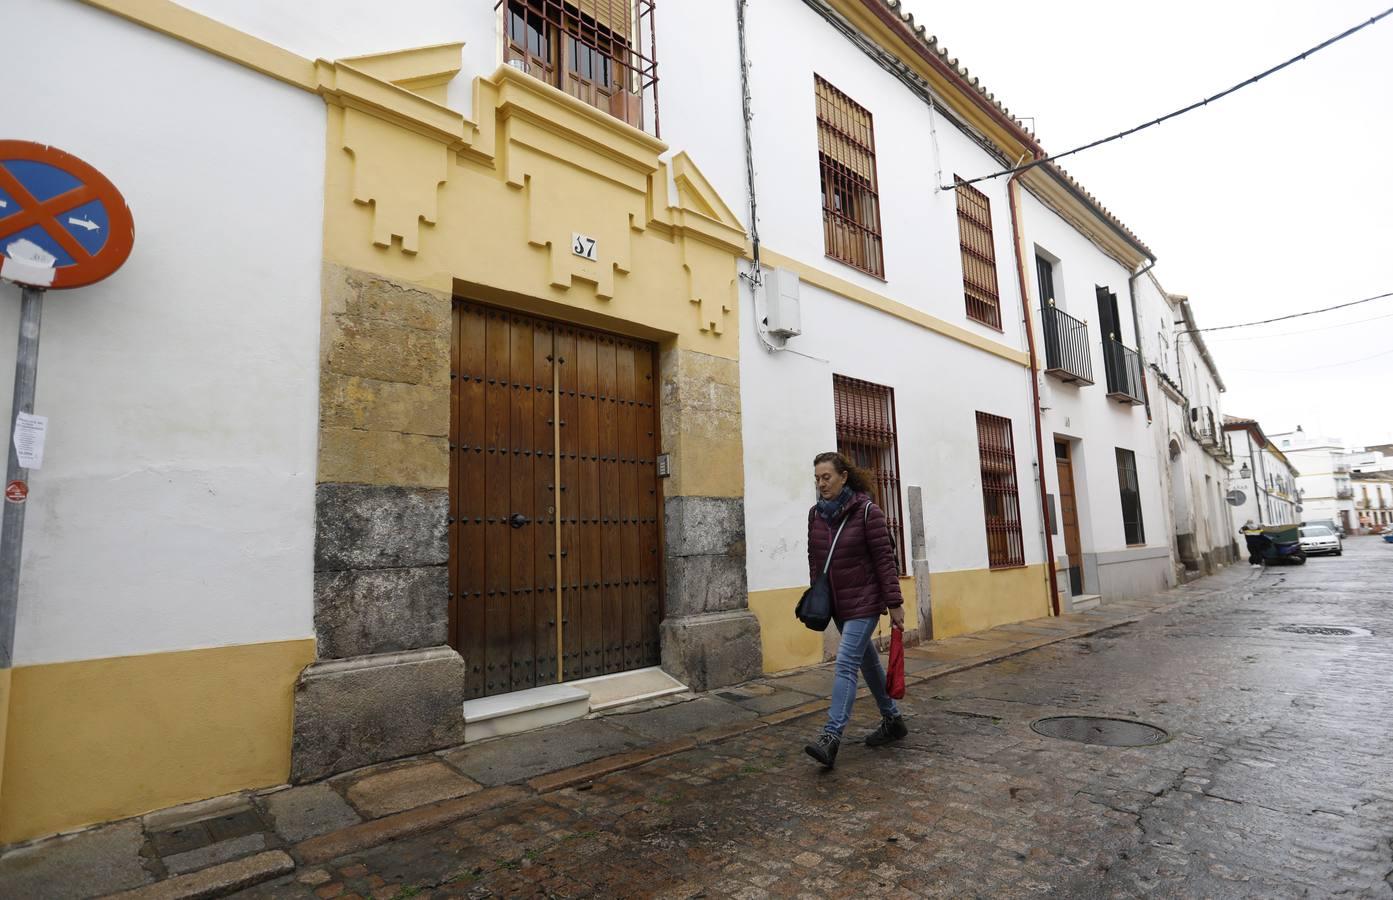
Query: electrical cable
point(1180, 112)
point(1303, 333)
point(1348, 362)
point(1311, 312)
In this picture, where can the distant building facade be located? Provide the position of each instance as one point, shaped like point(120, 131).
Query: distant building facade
point(1187, 427)
point(1325, 485)
point(1263, 475)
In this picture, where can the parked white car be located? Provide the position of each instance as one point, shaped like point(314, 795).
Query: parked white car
point(1321, 539)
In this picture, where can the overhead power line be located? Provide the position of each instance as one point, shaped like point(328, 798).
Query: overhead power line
point(1301, 332)
point(1182, 111)
point(1348, 362)
point(1310, 312)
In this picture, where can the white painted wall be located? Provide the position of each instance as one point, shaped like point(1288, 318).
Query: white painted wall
point(334, 29)
point(789, 43)
point(1096, 425)
point(1197, 483)
point(788, 418)
point(175, 508)
point(787, 397)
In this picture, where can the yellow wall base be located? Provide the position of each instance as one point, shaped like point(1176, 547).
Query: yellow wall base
point(788, 643)
point(104, 739)
point(963, 602)
point(977, 599)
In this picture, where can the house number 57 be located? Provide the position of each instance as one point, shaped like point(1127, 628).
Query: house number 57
point(584, 246)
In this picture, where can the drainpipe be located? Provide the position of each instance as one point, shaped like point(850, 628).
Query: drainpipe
point(1136, 330)
point(1016, 238)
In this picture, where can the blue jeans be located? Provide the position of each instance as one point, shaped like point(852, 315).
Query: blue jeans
point(857, 651)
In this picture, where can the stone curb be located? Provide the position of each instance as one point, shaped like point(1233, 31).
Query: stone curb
point(215, 881)
point(377, 831)
point(555, 781)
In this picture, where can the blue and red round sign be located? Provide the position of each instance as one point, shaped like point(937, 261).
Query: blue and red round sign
point(59, 213)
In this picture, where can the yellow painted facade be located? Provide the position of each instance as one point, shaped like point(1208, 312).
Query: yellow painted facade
point(105, 739)
point(977, 599)
point(789, 644)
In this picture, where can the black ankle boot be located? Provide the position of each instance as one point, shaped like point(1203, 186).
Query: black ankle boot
point(824, 749)
point(889, 730)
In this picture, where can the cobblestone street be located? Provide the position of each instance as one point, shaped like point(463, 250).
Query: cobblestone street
point(1274, 782)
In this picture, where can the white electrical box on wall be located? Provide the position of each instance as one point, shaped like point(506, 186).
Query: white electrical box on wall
point(783, 313)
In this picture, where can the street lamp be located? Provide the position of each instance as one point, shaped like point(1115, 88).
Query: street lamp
point(1244, 472)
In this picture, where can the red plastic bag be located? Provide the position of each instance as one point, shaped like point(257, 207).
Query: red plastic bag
point(894, 678)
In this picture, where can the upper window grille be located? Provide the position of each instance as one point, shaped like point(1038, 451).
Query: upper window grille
point(1130, 487)
point(979, 255)
point(599, 51)
point(866, 437)
point(1001, 500)
point(850, 195)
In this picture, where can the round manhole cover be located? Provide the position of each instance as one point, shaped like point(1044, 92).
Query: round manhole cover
point(1326, 630)
point(1097, 730)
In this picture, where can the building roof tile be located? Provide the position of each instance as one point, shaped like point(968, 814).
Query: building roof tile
point(931, 42)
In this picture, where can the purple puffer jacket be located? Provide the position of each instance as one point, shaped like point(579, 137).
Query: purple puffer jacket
point(864, 571)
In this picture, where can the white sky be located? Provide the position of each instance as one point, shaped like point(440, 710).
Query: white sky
point(1276, 199)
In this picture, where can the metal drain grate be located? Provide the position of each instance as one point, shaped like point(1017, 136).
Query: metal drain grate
point(1100, 730)
point(1326, 630)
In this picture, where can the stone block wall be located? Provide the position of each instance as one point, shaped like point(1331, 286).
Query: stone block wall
point(381, 581)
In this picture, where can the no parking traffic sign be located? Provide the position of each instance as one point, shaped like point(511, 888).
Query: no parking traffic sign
point(62, 224)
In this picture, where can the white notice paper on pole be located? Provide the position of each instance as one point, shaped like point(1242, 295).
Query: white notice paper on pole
point(30, 431)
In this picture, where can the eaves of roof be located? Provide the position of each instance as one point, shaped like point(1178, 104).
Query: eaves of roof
point(928, 50)
point(1197, 337)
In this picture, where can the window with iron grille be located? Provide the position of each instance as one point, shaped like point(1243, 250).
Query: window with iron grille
point(866, 437)
point(1001, 500)
point(979, 255)
point(1130, 487)
point(591, 49)
point(850, 198)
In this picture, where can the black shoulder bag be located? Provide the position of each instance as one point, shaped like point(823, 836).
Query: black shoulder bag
point(815, 608)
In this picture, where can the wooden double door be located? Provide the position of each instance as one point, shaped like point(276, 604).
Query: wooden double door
point(555, 527)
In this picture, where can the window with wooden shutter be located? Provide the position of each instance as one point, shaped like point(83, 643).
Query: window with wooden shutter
point(591, 49)
point(1001, 502)
point(979, 255)
point(866, 436)
point(850, 198)
point(1130, 488)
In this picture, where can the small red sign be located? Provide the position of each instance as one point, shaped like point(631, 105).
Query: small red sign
point(66, 208)
point(16, 492)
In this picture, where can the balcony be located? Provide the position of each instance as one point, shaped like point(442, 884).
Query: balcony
point(1067, 355)
point(1123, 367)
point(599, 51)
point(1342, 468)
point(1344, 493)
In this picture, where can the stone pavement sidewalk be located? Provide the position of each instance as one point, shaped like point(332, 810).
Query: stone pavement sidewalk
point(228, 843)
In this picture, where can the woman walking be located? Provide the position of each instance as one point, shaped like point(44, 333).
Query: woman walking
point(865, 584)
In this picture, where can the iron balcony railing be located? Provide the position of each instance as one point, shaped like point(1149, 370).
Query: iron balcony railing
point(1208, 431)
point(1123, 367)
point(1345, 493)
point(602, 52)
point(1067, 354)
point(1225, 452)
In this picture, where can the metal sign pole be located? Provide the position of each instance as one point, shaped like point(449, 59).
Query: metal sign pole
point(12, 528)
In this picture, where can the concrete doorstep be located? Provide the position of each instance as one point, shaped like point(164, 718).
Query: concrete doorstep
point(219, 846)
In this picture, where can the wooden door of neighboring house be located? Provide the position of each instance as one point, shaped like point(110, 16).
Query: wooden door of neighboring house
point(555, 538)
point(1069, 516)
